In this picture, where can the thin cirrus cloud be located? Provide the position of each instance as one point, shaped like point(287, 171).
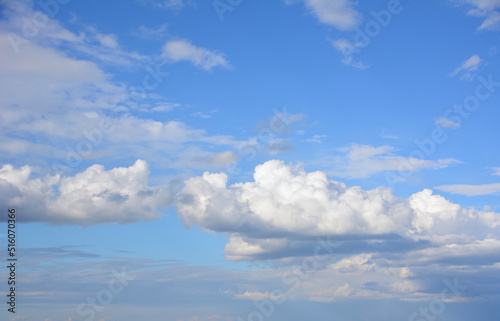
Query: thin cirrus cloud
point(56, 80)
point(467, 68)
point(487, 9)
point(96, 46)
point(347, 49)
point(362, 161)
point(471, 190)
point(446, 123)
point(183, 50)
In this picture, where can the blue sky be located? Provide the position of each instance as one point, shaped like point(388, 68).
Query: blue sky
point(252, 160)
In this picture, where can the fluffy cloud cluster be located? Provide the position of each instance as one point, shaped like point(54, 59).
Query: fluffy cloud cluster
point(93, 196)
point(286, 204)
point(344, 242)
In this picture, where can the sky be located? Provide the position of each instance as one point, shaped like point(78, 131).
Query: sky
point(232, 160)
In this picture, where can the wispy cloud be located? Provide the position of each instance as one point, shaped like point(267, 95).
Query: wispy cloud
point(446, 123)
point(348, 49)
point(316, 139)
point(362, 161)
point(487, 9)
point(183, 50)
point(467, 68)
point(471, 190)
point(156, 33)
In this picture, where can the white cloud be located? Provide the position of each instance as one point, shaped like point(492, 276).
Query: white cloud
point(362, 161)
point(487, 9)
point(183, 50)
point(471, 190)
point(348, 49)
point(69, 96)
point(337, 13)
point(431, 210)
point(285, 203)
point(194, 157)
point(170, 4)
point(174, 5)
point(316, 139)
point(468, 67)
point(156, 33)
point(109, 41)
point(445, 123)
point(95, 45)
point(341, 15)
point(257, 296)
point(496, 171)
point(94, 196)
point(37, 61)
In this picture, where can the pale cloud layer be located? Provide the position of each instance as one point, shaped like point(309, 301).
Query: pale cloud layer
point(363, 161)
point(446, 123)
point(286, 212)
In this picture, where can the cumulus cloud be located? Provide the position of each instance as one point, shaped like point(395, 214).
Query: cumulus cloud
point(286, 203)
point(183, 50)
point(342, 242)
point(94, 196)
